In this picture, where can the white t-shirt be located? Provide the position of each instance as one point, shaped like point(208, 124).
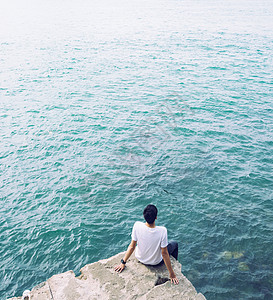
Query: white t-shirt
point(149, 242)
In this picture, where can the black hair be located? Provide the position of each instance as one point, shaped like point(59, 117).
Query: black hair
point(150, 213)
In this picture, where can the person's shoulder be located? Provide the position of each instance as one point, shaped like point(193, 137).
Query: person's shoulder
point(162, 228)
point(138, 224)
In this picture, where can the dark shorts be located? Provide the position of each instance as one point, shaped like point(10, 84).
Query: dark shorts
point(173, 249)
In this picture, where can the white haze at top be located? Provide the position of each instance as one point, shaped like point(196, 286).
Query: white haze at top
point(107, 19)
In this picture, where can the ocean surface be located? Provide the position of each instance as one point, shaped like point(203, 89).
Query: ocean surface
point(107, 106)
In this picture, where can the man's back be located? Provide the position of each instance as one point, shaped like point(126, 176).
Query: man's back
point(149, 242)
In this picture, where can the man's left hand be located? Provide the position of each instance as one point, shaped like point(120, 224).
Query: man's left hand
point(119, 268)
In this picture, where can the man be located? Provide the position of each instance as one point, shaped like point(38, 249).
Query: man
point(151, 243)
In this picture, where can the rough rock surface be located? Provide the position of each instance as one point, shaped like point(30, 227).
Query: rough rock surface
point(99, 281)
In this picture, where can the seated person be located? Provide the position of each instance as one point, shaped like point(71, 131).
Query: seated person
point(151, 243)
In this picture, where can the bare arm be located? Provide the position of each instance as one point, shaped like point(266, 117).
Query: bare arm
point(167, 261)
point(128, 253)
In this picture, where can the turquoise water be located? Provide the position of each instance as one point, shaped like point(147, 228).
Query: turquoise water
point(108, 106)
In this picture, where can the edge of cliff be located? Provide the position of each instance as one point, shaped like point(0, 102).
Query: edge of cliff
point(100, 281)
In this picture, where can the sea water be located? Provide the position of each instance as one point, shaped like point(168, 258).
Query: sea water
point(107, 106)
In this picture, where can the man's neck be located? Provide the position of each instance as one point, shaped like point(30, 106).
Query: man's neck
point(150, 225)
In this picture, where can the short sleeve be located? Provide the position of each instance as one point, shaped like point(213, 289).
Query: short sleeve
point(164, 240)
point(134, 235)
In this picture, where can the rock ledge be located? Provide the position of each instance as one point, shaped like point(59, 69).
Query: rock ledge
point(99, 281)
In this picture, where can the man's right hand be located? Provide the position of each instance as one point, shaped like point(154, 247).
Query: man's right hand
point(174, 279)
